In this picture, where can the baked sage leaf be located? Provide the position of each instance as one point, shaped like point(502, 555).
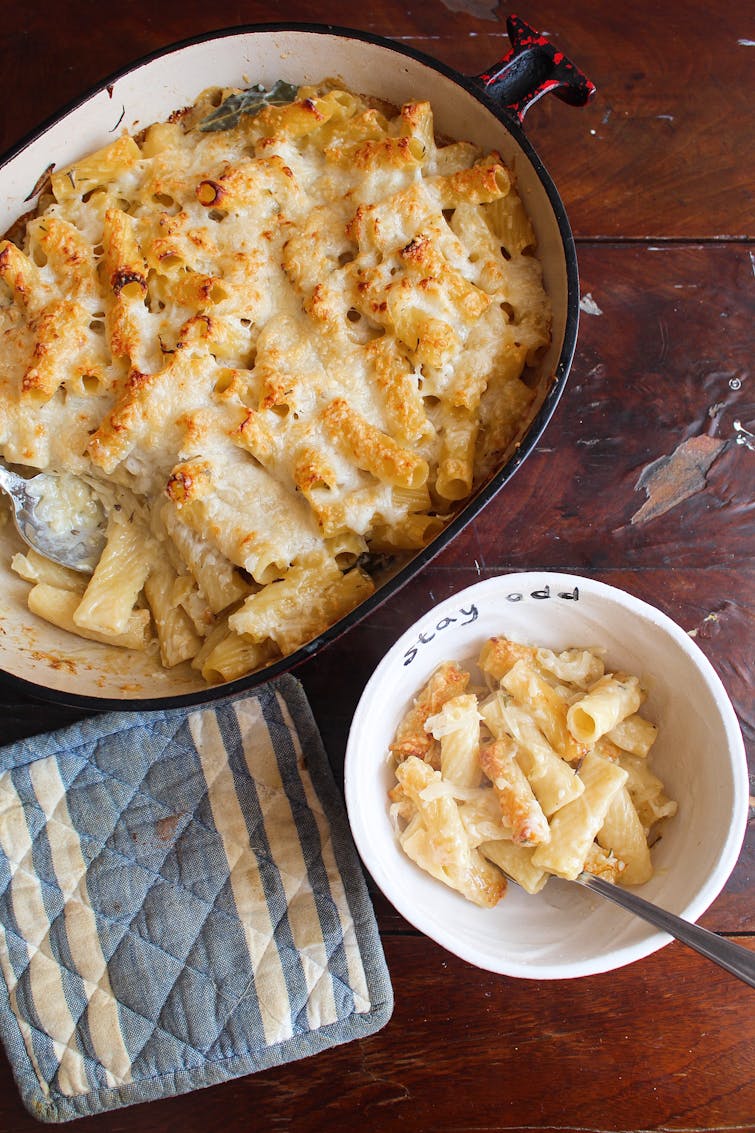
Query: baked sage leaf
point(247, 102)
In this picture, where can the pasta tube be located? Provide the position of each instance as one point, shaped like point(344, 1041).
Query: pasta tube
point(609, 701)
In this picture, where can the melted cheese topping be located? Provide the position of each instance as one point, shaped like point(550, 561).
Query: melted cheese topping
point(292, 341)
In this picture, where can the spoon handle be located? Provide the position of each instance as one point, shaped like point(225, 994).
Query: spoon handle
point(733, 957)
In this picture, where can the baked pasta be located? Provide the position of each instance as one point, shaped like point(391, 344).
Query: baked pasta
point(283, 335)
point(541, 770)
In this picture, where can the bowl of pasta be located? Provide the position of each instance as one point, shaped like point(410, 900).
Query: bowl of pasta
point(532, 727)
point(294, 303)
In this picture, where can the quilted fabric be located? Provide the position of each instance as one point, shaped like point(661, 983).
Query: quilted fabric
point(180, 904)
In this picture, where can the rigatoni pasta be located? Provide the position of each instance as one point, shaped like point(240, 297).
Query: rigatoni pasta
point(510, 758)
point(286, 334)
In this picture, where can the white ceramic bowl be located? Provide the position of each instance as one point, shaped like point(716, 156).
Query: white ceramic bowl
point(564, 931)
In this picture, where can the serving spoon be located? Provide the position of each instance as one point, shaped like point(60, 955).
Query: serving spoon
point(733, 957)
point(73, 533)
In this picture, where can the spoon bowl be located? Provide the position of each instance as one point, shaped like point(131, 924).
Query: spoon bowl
point(60, 516)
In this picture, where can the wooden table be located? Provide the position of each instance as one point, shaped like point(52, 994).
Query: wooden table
point(656, 175)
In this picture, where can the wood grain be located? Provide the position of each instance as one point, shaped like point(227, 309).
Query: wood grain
point(468, 1050)
point(659, 153)
point(643, 479)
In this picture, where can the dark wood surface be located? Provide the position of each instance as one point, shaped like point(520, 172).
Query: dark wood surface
point(656, 175)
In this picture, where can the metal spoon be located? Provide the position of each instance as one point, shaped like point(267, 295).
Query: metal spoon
point(733, 957)
point(60, 516)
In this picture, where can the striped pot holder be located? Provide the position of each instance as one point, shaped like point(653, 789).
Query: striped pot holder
point(180, 904)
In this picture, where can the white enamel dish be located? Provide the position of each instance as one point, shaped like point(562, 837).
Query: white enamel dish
point(563, 931)
point(41, 659)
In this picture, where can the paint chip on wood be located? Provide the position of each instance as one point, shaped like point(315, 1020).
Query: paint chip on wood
point(676, 476)
point(589, 306)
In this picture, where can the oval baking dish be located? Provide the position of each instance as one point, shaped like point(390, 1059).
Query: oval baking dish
point(486, 109)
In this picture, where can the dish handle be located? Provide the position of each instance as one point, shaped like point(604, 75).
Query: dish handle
point(531, 68)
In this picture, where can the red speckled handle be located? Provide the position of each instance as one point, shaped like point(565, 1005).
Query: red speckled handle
point(529, 70)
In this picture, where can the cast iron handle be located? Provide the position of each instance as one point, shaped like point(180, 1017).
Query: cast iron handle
point(529, 70)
